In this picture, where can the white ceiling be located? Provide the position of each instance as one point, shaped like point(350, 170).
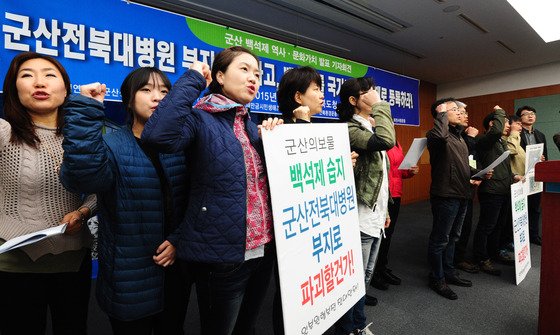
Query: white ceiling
point(419, 38)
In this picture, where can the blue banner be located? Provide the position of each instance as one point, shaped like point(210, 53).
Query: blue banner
point(104, 40)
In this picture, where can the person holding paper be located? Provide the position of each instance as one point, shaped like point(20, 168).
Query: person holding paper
point(362, 108)
point(382, 275)
point(513, 139)
point(227, 229)
point(54, 273)
point(449, 194)
point(530, 135)
point(517, 163)
point(493, 194)
point(299, 98)
point(142, 197)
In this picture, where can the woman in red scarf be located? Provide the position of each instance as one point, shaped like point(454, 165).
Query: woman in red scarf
point(227, 231)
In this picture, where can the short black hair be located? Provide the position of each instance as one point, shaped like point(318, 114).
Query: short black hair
point(487, 119)
point(295, 80)
point(525, 108)
point(437, 103)
point(352, 87)
point(514, 118)
point(134, 81)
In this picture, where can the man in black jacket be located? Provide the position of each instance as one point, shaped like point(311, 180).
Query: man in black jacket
point(493, 194)
point(530, 135)
point(469, 134)
point(449, 194)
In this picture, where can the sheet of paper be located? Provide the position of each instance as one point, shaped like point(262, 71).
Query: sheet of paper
point(30, 238)
point(533, 153)
point(493, 165)
point(414, 153)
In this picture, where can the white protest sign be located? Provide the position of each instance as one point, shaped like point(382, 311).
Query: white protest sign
point(520, 220)
point(316, 226)
point(533, 155)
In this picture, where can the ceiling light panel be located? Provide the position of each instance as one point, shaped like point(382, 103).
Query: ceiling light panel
point(541, 15)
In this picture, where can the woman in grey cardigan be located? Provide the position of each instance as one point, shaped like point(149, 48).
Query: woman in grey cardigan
point(55, 272)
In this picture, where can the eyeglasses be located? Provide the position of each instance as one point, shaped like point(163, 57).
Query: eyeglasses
point(528, 113)
point(454, 109)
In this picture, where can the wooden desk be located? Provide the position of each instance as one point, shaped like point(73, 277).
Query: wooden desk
point(549, 303)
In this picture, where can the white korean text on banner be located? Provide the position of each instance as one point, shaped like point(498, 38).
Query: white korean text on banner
point(533, 155)
point(104, 40)
point(316, 224)
point(520, 220)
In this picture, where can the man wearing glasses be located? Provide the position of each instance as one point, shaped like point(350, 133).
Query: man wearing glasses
point(530, 135)
point(494, 194)
point(449, 194)
point(469, 134)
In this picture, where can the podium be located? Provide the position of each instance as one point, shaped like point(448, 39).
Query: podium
point(549, 303)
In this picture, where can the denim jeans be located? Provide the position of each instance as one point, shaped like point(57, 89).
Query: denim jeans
point(232, 294)
point(355, 317)
point(463, 242)
point(370, 251)
point(494, 210)
point(448, 215)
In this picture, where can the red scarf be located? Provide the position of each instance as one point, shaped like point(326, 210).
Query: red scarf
point(259, 216)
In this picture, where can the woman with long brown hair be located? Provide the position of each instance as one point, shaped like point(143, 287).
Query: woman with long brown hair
point(55, 272)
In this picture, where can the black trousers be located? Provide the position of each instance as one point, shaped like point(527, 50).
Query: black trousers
point(26, 296)
point(383, 256)
point(494, 210)
point(277, 316)
point(231, 295)
point(534, 209)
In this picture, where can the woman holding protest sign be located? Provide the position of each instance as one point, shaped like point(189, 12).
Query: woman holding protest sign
point(55, 272)
point(299, 95)
point(299, 98)
point(371, 132)
point(227, 230)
